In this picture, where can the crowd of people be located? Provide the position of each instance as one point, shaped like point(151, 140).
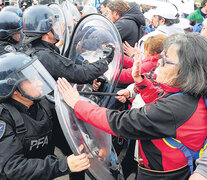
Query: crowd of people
point(160, 107)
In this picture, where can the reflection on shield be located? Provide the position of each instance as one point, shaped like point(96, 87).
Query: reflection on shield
point(97, 144)
point(90, 37)
point(59, 28)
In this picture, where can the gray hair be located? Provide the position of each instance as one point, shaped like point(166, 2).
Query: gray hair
point(192, 54)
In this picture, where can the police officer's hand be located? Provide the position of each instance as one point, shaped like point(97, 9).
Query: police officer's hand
point(108, 53)
point(78, 163)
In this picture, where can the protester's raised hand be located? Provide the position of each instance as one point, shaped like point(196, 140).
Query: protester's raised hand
point(69, 93)
point(124, 94)
point(136, 69)
point(78, 163)
point(129, 50)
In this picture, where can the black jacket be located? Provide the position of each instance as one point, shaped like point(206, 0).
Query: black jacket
point(60, 66)
point(128, 25)
point(28, 154)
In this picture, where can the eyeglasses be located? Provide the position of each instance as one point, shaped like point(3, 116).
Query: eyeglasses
point(164, 61)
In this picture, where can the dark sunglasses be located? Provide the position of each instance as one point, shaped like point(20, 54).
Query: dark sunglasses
point(164, 61)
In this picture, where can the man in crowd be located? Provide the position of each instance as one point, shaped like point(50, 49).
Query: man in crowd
point(125, 15)
point(166, 21)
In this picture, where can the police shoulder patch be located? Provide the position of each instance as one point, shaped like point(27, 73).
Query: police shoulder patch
point(50, 98)
point(2, 128)
point(9, 48)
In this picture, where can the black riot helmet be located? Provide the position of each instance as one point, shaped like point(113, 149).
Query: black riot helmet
point(10, 24)
point(38, 20)
point(13, 9)
point(17, 67)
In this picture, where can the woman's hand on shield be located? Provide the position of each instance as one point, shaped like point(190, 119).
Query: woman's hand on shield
point(69, 93)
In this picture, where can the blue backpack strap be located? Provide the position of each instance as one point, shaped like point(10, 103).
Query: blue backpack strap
point(187, 152)
point(205, 101)
point(199, 153)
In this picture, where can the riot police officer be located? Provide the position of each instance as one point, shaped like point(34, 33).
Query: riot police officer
point(41, 30)
point(28, 123)
point(10, 31)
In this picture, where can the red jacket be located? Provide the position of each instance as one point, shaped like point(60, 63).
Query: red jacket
point(148, 64)
point(183, 117)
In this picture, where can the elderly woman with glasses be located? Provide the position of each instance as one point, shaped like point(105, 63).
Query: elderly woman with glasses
point(177, 113)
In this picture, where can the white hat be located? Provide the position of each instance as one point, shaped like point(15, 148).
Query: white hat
point(184, 23)
point(168, 11)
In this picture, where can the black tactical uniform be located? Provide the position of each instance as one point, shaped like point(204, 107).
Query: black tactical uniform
point(28, 135)
point(59, 66)
point(27, 146)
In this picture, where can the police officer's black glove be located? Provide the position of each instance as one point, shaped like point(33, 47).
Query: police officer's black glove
point(108, 53)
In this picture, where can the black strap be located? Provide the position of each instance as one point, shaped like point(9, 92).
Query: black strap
point(16, 116)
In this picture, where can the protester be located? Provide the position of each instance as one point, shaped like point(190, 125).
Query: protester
point(125, 15)
point(10, 31)
point(104, 8)
point(152, 49)
point(200, 13)
point(29, 127)
point(43, 46)
point(165, 20)
point(179, 115)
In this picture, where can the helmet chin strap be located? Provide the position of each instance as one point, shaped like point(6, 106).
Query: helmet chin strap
point(55, 35)
point(26, 95)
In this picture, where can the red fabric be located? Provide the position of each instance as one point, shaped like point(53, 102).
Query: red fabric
point(147, 64)
point(192, 127)
point(150, 92)
point(128, 61)
point(93, 115)
point(188, 135)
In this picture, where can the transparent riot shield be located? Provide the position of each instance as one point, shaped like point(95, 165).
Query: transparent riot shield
point(59, 28)
point(97, 144)
point(70, 22)
point(91, 35)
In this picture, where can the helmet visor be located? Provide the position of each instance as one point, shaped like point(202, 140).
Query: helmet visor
point(36, 82)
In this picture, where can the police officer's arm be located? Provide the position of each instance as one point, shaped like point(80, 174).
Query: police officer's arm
point(16, 166)
point(59, 66)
